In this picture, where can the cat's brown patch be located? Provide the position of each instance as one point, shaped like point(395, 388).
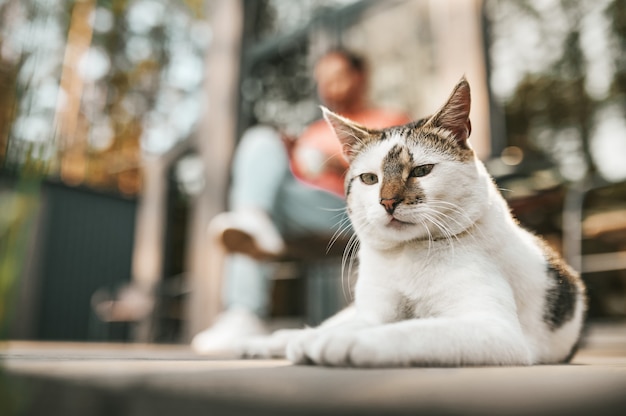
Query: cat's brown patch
point(395, 166)
point(396, 185)
point(567, 286)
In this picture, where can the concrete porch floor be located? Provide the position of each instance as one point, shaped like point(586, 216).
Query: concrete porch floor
point(48, 379)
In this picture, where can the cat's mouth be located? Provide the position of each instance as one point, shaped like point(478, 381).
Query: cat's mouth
point(396, 223)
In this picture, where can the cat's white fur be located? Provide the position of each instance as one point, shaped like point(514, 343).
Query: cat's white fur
point(460, 283)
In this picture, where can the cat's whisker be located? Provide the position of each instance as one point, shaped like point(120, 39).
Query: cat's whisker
point(452, 207)
point(353, 258)
point(430, 236)
point(442, 228)
point(344, 225)
point(341, 226)
point(340, 210)
point(349, 255)
point(464, 227)
point(458, 210)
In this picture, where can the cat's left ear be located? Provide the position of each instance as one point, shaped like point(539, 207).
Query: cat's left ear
point(353, 136)
point(454, 115)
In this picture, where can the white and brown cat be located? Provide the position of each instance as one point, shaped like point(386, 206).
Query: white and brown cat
point(446, 275)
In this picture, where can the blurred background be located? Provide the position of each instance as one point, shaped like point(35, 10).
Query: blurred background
point(118, 119)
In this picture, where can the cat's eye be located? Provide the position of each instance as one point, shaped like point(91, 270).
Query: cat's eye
point(421, 170)
point(368, 178)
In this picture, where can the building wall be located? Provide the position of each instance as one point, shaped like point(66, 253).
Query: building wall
point(83, 243)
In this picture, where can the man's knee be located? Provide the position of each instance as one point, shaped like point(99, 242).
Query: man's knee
point(261, 139)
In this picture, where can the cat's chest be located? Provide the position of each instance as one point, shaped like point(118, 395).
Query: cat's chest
point(410, 267)
point(409, 263)
point(421, 282)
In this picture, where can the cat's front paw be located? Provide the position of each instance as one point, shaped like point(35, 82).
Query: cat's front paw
point(314, 349)
point(370, 351)
point(330, 348)
point(343, 349)
point(273, 346)
point(296, 349)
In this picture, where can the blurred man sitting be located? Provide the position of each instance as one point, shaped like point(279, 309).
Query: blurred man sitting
point(282, 189)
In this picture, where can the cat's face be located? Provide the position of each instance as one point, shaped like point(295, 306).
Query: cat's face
point(401, 189)
point(414, 182)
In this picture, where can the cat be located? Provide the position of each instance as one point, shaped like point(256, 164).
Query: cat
point(446, 275)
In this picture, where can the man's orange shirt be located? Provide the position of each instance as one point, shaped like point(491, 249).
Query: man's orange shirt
point(317, 158)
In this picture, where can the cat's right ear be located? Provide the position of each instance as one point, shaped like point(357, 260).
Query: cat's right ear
point(454, 115)
point(351, 135)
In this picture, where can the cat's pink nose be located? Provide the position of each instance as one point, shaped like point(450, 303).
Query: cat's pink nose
point(389, 204)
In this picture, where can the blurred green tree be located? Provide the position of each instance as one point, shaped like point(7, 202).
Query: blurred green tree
point(562, 66)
